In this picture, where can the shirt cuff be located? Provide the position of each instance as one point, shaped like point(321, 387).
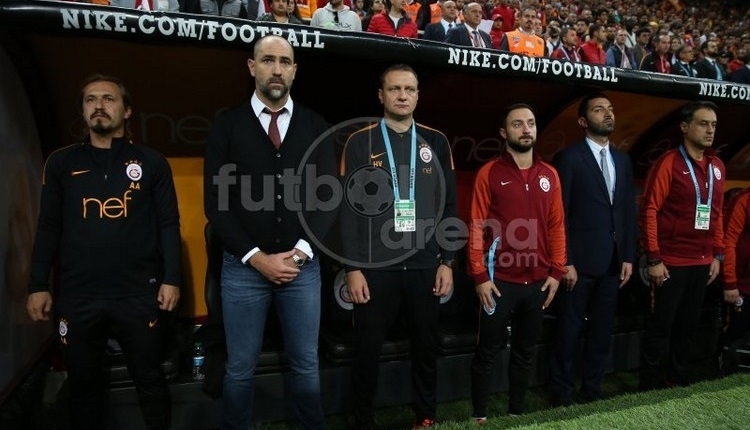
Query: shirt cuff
point(250, 254)
point(305, 247)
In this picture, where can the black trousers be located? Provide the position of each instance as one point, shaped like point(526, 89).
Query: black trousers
point(84, 326)
point(595, 299)
point(521, 305)
point(393, 294)
point(670, 326)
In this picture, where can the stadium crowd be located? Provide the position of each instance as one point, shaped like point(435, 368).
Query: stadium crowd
point(698, 38)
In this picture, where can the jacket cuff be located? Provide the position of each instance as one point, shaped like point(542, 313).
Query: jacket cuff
point(447, 255)
point(730, 286)
point(653, 255)
point(174, 281)
point(38, 288)
point(557, 274)
point(481, 278)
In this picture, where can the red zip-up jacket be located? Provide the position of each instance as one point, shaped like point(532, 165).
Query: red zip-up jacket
point(667, 213)
point(382, 24)
point(592, 52)
point(736, 268)
point(527, 215)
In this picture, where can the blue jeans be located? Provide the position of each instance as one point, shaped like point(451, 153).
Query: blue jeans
point(246, 297)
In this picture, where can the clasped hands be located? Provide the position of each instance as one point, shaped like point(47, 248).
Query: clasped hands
point(278, 268)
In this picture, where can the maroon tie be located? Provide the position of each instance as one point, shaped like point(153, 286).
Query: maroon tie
point(273, 127)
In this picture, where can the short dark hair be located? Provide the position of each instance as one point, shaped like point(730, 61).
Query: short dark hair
point(510, 108)
point(593, 28)
point(583, 106)
point(397, 67)
point(642, 30)
point(689, 109)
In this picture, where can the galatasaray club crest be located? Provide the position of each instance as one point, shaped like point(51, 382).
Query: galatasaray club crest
point(425, 154)
point(133, 170)
point(544, 183)
point(717, 173)
point(62, 329)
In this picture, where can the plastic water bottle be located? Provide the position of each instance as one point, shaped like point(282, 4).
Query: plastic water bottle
point(199, 357)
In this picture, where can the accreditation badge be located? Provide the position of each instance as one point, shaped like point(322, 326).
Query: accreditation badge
point(702, 217)
point(405, 215)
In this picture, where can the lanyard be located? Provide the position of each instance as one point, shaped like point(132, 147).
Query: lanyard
point(565, 51)
point(491, 258)
point(709, 173)
point(394, 169)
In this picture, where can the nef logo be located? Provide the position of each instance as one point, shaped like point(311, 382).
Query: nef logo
point(110, 208)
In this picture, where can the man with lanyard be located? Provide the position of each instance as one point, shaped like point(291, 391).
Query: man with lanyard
point(395, 260)
point(683, 236)
point(569, 50)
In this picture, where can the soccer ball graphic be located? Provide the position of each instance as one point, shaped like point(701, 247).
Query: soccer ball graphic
point(369, 191)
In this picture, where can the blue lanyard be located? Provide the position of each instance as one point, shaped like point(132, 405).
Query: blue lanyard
point(709, 173)
point(565, 51)
point(491, 258)
point(394, 168)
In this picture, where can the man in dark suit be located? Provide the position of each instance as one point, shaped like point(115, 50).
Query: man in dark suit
point(468, 33)
point(437, 30)
point(742, 75)
point(684, 64)
point(269, 253)
point(709, 67)
point(599, 202)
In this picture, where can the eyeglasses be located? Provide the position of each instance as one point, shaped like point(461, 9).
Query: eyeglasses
point(336, 16)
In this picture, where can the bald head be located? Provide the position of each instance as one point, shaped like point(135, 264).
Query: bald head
point(272, 40)
point(473, 14)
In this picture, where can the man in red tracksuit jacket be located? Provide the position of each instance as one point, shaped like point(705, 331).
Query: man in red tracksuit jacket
point(736, 276)
point(683, 235)
point(517, 214)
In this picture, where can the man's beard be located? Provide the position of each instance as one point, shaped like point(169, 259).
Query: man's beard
point(102, 129)
point(601, 129)
point(519, 147)
point(275, 93)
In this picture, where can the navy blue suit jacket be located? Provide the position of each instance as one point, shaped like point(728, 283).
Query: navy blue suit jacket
point(596, 227)
point(459, 35)
point(434, 31)
point(741, 76)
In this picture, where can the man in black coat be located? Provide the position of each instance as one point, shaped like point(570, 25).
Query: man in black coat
point(437, 30)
